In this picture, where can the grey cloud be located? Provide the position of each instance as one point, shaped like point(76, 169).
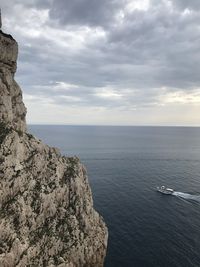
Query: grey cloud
point(10, 4)
point(166, 42)
point(177, 4)
point(151, 49)
point(191, 4)
point(87, 12)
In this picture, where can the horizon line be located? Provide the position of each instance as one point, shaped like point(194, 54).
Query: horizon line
point(113, 125)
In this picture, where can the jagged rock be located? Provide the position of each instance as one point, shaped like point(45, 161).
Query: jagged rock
point(46, 209)
point(12, 109)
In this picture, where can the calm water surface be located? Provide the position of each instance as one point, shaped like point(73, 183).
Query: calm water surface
point(125, 164)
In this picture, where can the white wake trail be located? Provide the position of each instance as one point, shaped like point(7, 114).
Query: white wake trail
point(187, 196)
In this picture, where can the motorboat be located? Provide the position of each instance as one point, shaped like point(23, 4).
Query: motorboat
point(164, 190)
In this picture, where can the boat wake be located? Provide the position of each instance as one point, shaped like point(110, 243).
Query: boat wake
point(187, 196)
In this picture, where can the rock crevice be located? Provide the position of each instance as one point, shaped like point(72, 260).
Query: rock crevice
point(46, 208)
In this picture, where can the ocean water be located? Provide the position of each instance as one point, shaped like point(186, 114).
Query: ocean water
point(125, 164)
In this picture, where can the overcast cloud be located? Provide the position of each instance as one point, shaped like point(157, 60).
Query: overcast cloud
point(134, 62)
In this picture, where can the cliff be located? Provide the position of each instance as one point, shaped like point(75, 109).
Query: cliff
point(46, 209)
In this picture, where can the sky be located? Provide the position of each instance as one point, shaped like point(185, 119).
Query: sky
point(107, 62)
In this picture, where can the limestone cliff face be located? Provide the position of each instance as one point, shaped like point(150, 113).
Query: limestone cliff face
point(46, 209)
point(12, 110)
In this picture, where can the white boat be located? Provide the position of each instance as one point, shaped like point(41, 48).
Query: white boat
point(164, 190)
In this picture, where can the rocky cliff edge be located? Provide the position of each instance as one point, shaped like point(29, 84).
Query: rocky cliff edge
point(46, 208)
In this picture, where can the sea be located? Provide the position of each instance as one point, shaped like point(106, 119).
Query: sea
point(125, 165)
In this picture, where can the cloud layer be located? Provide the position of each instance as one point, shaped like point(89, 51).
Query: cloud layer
point(108, 62)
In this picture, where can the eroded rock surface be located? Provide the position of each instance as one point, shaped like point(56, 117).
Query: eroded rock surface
point(46, 209)
point(12, 109)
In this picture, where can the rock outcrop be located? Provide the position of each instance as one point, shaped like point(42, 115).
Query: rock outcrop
point(12, 109)
point(46, 209)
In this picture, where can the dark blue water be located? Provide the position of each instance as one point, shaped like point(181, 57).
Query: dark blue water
point(125, 164)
